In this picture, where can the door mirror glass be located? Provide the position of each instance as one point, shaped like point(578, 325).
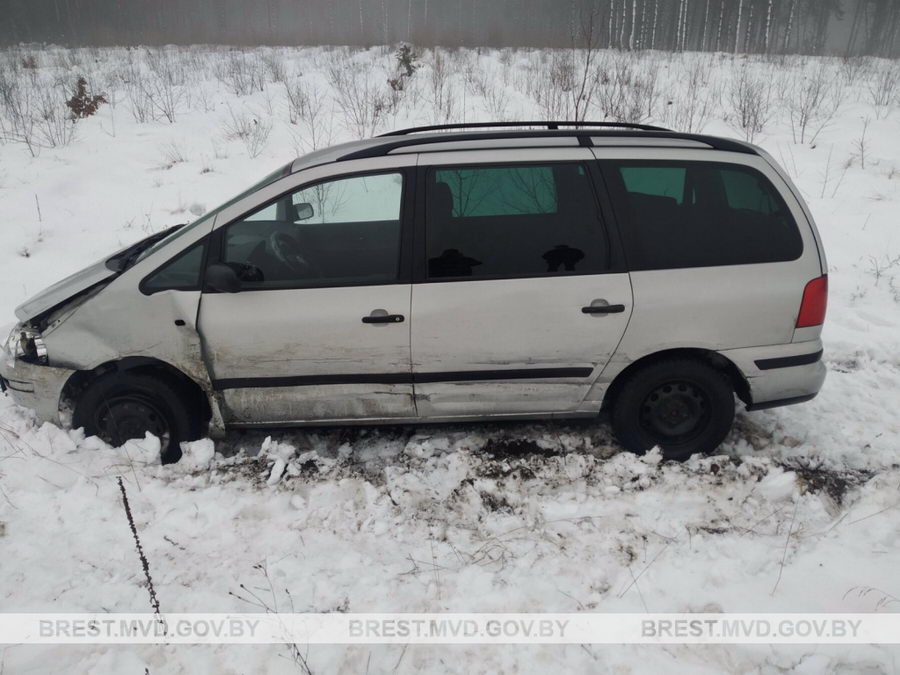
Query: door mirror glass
point(303, 211)
point(222, 278)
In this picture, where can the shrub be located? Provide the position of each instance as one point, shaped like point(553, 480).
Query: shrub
point(252, 131)
point(407, 60)
point(750, 100)
point(83, 104)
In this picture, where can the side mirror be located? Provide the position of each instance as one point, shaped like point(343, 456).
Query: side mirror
point(222, 278)
point(303, 211)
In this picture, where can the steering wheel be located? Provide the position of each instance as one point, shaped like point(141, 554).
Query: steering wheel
point(287, 250)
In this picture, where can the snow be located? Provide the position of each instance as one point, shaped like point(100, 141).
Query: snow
point(799, 512)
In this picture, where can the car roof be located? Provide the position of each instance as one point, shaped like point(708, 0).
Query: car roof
point(500, 135)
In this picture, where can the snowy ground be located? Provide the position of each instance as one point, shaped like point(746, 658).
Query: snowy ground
point(800, 512)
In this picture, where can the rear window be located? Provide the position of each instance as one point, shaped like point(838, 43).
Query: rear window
point(700, 214)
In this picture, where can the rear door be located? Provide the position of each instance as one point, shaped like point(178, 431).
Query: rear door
point(521, 296)
point(319, 331)
point(715, 251)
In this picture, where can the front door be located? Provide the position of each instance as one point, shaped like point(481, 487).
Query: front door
point(519, 305)
point(319, 330)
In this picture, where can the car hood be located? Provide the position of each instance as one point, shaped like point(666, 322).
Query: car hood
point(63, 290)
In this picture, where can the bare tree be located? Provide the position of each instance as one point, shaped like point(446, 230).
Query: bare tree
point(549, 84)
point(306, 110)
point(813, 99)
point(252, 130)
point(737, 30)
point(583, 64)
point(443, 100)
point(243, 73)
point(861, 144)
point(627, 92)
point(882, 87)
point(691, 113)
point(750, 102)
point(17, 112)
point(358, 96)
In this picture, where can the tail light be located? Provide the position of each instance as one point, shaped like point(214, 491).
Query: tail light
point(815, 300)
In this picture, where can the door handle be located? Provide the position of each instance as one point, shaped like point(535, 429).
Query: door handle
point(603, 309)
point(383, 318)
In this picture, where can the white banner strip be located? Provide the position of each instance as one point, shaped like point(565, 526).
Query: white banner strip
point(459, 628)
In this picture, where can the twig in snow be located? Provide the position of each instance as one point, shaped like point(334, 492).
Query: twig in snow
point(872, 515)
point(402, 654)
point(635, 584)
point(752, 527)
point(787, 540)
point(434, 568)
point(296, 655)
point(646, 567)
point(863, 591)
point(154, 601)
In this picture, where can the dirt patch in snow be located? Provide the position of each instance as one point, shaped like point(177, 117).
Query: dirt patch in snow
point(833, 482)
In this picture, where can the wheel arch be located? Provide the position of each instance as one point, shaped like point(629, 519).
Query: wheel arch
point(708, 356)
point(193, 392)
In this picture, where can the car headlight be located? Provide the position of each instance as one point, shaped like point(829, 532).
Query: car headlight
point(26, 344)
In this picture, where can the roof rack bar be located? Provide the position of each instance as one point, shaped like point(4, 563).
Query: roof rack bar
point(386, 146)
point(552, 125)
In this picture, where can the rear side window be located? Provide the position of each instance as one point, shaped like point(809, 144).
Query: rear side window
point(660, 181)
point(507, 221)
point(700, 214)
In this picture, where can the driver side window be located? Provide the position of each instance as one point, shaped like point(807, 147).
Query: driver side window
point(334, 233)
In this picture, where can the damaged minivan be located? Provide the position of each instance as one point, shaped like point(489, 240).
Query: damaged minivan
point(473, 272)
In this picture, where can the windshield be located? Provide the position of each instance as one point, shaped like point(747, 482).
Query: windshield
point(153, 243)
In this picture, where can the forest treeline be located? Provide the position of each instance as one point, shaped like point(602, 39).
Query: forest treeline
point(839, 27)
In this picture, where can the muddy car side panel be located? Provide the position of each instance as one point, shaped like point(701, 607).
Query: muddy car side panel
point(298, 355)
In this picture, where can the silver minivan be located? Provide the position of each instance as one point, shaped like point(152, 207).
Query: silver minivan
point(463, 272)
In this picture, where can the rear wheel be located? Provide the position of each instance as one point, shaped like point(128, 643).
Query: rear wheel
point(682, 405)
point(124, 406)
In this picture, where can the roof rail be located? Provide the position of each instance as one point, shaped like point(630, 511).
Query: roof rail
point(552, 125)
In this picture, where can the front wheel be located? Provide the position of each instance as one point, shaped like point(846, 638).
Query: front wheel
point(682, 405)
point(124, 406)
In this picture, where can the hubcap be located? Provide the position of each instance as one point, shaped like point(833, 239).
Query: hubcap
point(125, 417)
point(675, 411)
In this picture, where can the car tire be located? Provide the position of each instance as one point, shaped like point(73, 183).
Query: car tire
point(682, 405)
point(122, 406)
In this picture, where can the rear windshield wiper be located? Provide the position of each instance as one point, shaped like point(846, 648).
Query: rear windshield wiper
point(125, 259)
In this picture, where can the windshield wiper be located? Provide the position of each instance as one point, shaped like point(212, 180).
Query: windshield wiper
point(122, 261)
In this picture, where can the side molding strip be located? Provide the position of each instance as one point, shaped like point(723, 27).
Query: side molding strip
point(401, 378)
point(788, 361)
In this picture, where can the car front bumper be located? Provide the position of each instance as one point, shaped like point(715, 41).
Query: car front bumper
point(34, 386)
